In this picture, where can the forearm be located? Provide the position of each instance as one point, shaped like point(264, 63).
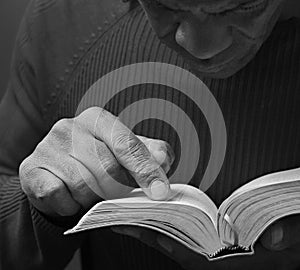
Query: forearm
point(27, 239)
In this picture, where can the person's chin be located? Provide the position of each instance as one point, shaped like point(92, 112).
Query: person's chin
point(223, 69)
point(221, 66)
point(217, 72)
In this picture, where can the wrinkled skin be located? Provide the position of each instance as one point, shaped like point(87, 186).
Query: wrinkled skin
point(92, 157)
point(216, 37)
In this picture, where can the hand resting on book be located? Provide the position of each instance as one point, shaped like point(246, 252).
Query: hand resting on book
point(77, 162)
point(278, 248)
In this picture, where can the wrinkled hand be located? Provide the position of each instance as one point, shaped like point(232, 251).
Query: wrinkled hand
point(92, 157)
point(278, 248)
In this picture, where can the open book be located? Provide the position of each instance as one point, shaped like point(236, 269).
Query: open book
point(191, 217)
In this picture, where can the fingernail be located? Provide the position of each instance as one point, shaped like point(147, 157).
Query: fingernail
point(116, 229)
point(159, 190)
point(132, 232)
point(127, 231)
point(276, 236)
point(160, 156)
point(165, 244)
point(162, 160)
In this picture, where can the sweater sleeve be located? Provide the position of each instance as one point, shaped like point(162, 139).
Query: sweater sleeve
point(27, 239)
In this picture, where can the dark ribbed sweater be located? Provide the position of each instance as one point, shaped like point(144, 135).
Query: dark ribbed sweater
point(62, 48)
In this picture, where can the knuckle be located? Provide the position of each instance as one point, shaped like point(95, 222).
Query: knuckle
point(93, 112)
point(60, 134)
point(92, 118)
point(63, 124)
point(43, 191)
point(146, 171)
point(62, 128)
point(129, 146)
point(28, 190)
point(24, 175)
point(26, 168)
point(34, 185)
point(135, 153)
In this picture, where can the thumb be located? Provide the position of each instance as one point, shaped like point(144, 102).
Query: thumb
point(282, 234)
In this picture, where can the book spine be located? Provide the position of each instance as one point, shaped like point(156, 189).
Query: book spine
point(230, 250)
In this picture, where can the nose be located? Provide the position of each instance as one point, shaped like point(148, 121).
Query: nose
point(203, 37)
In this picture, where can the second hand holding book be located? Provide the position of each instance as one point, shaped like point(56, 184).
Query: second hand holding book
point(192, 218)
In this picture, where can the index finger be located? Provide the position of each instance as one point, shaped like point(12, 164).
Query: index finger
point(128, 149)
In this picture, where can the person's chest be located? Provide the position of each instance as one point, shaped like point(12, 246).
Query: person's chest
point(224, 132)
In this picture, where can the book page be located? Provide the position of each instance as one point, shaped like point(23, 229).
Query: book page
point(181, 195)
point(266, 180)
point(253, 207)
point(188, 216)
